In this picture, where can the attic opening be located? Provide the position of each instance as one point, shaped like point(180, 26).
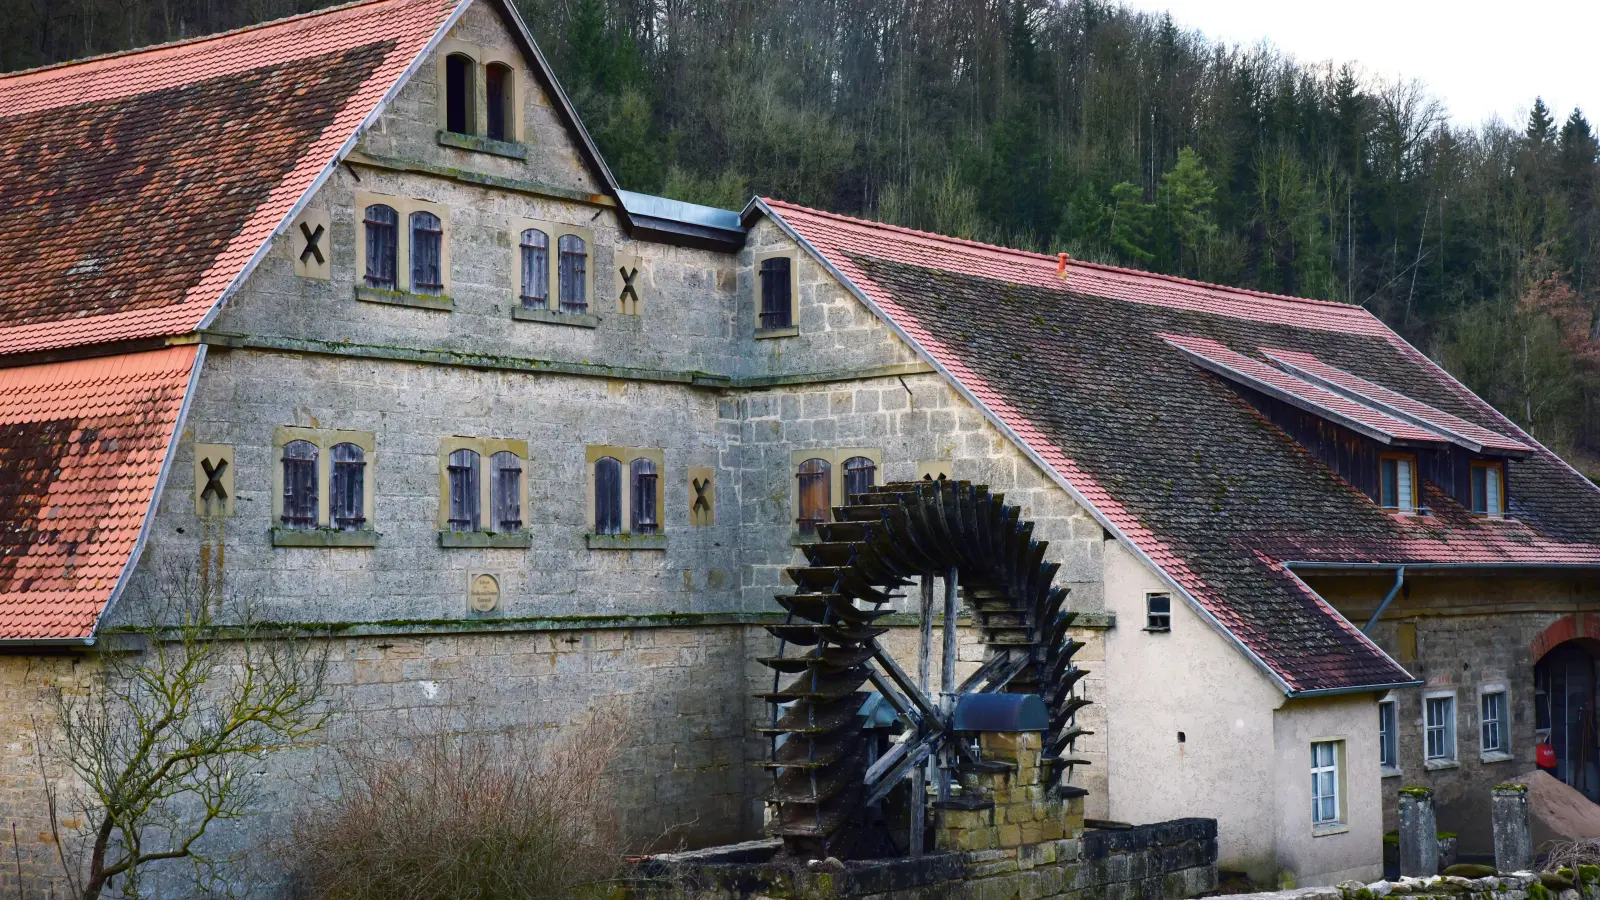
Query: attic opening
point(497, 83)
point(459, 94)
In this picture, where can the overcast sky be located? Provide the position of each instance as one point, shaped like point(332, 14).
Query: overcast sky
point(1482, 59)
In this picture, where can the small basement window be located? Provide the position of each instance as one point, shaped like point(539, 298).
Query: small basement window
point(1158, 612)
point(1397, 477)
point(777, 298)
point(1488, 488)
point(459, 94)
point(497, 82)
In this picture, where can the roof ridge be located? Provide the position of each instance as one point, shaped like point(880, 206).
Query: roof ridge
point(1045, 257)
point(197, 39)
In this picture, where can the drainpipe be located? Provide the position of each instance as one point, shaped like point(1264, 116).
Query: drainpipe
point(1399, 579)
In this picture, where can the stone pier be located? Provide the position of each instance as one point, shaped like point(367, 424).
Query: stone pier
point(1419, 833)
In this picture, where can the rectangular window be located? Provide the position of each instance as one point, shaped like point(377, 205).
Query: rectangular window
point(1488, 489)
point(1325, 783)
point(573, 273)
point(1439, 729)
point(1494, 722)
point(643, 505)
point(777, 298)
point(1397, 482)
point(1388, 735)
point(464, 502)
point(1158, 612)
point(427, 250)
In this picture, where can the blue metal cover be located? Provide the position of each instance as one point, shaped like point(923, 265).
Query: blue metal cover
point(1000, 712)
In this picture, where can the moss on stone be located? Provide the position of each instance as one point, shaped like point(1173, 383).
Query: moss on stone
point(1511, 786)
point(1416, 791)
point(1537, 891)
point(1589, 874)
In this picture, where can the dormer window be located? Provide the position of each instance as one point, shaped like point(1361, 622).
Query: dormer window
point(1397, 477)
point(498, 85)
point(1488, 488)
point(458, 93)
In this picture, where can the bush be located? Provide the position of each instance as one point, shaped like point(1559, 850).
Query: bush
point(503, 816)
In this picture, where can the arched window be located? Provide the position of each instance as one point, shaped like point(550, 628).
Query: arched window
point(427, 242)
point(535, 269)
point(607, 495)
point(497, 82)
point(347, 498)
point(815, 494)
point(300, 484)
point(860, 476)
point(381, 222)
point(505, 491)
point(463, 472)
point(574, 263)
point(458, 94)
point(643, 512)
point(776, 296)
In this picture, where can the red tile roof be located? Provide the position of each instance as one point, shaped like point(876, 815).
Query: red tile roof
point(139, 186)
point(82, 445)
point(1078, 368)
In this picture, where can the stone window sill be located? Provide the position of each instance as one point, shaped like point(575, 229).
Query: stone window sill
point(322, 537)
point(1388, 772)
point(509, 149)
point(1438, 764)
point(402, 298)
point(626, 541)
point(576, 320)
point(1331, 828)
point(1495, 756)
point(506, 540)
point(763, 334)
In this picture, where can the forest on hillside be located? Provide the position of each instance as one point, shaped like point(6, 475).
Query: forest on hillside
point(1076, 126)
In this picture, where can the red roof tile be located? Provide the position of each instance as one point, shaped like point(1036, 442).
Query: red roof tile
point(141, 185)
point(1079, 368)
point(82, 445)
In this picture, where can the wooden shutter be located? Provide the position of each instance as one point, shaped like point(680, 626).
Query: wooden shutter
point(607, 495)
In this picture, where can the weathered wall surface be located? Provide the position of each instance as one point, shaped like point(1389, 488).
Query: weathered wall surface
point(1354, 848)
point(1461, 634)
point(27, 718)
point(1188, 680)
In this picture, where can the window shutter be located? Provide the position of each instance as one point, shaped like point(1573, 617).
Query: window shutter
point(573, 266)
point(347, 501)
point(535, 269)
point(607, 495)
point(427, 236)
point(463, 471)
point(815, 494)
point(860, 476)
point(381, 222)
point(505, 491)
point(643, 512)
point(300, 484)
point(776, 297)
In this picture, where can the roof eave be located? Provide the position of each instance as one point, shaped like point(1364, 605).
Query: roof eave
point(758, 206)
point(1355, 689)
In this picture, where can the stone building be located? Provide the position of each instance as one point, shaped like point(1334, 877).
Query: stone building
point(347, 311)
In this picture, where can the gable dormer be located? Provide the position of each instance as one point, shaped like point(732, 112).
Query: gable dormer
point(1385, 443)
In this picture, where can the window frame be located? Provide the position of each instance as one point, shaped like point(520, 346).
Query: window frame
point(1416, 487)
point(367, 224)
point(835, 457)
point(1150, 614)
point(469, 100)
point(553, 232)
point(1484, 465)
point(1449, 738)
point(793, 327)
point(403, 207)
point(337, 466)
point(1389, 736)
point(580, 306)
point(625, 457)
point(1335, 781)
point(1502, 750)
point(507, 101)
point(486, 448)
point(483, 56)
point(644, 495)
point(325, 439)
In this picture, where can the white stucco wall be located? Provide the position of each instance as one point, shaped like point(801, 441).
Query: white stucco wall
point(1353, 850)
point(1245, 756)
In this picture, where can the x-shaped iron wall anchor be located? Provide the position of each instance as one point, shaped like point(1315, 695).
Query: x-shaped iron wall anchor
point(313, 238)
point(214, 488)
point(628, 275)
point(701, 501)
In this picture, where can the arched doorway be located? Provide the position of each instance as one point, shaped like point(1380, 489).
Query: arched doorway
point(1564, 711)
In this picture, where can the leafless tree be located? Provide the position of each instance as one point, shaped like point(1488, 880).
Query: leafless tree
point(184, 708)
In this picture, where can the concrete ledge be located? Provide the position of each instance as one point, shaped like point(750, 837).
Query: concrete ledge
point(763, 334)
point(478, 144)
point(322, 537)
point(550, 316)
point(437, 302)
point(509, 540)
point(626, 541)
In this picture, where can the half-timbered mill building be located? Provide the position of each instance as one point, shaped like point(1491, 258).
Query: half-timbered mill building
point(347, 311)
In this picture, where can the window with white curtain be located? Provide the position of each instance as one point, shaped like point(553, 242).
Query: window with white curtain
point(1325, 783)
